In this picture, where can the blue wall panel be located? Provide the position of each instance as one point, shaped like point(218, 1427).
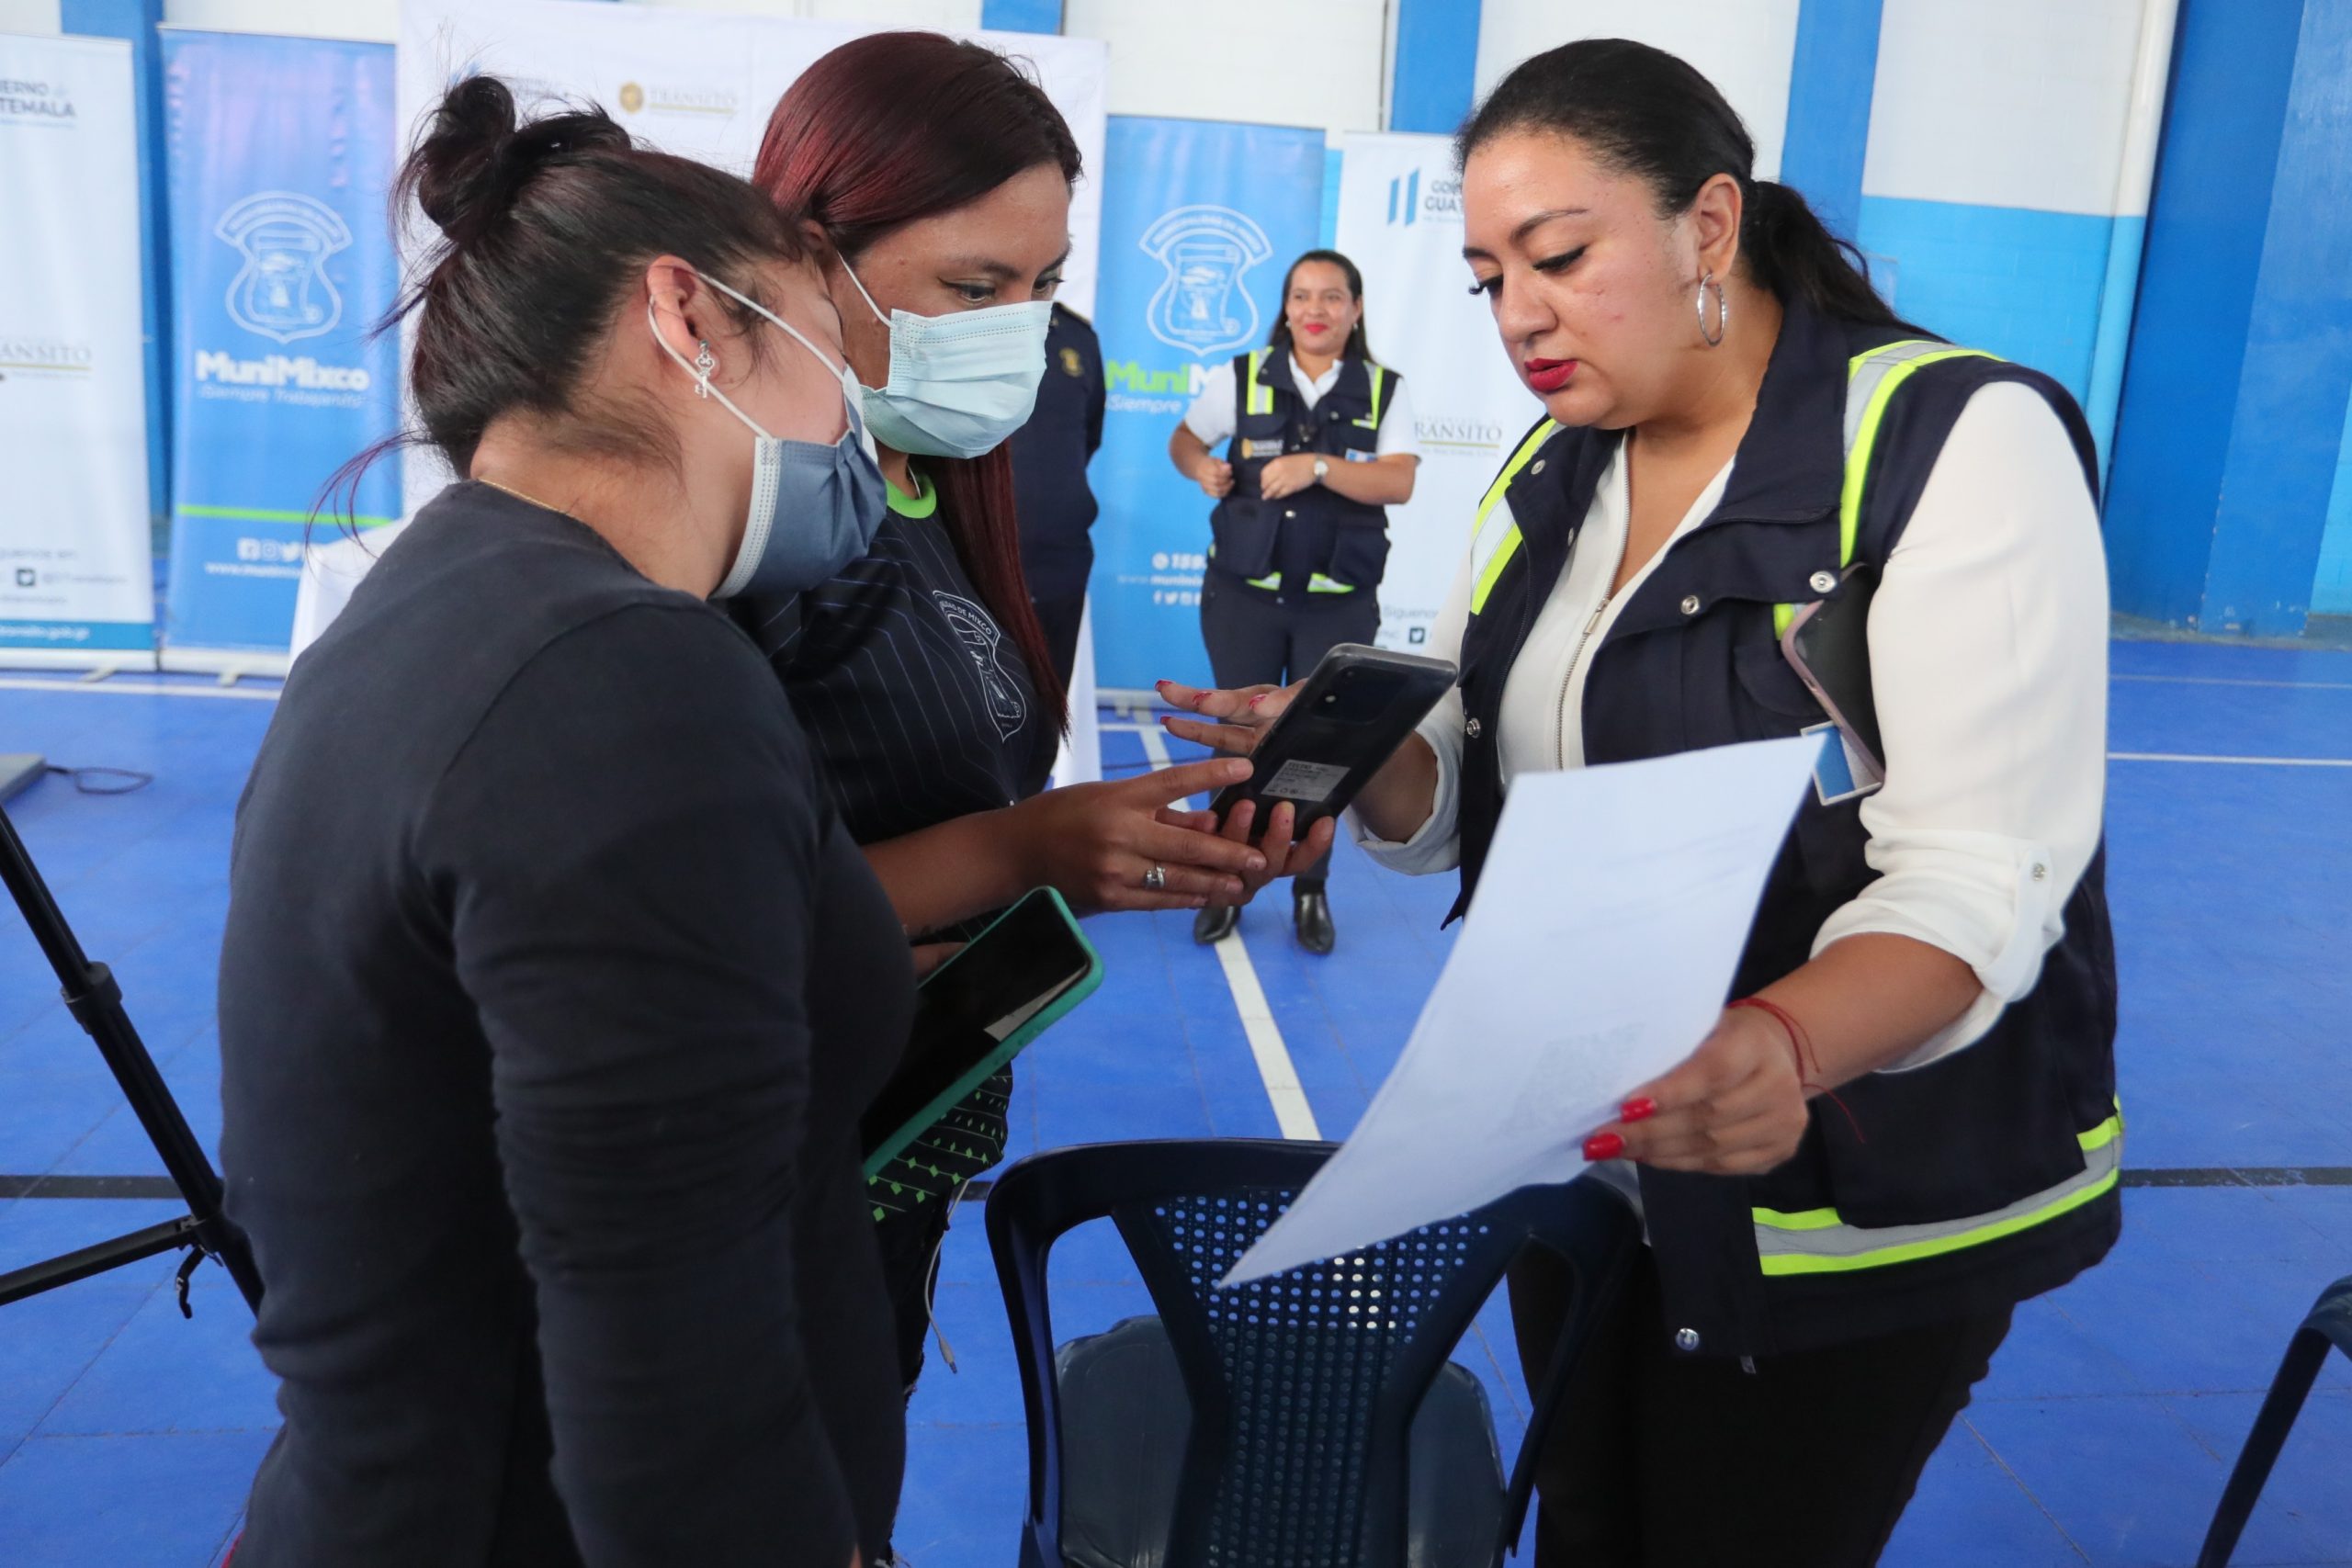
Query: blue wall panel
point(1328, 236)
point(2287, 434)
point(2332, 584)
point(1436, 65)
point(2233, 63)
point(1830, 82)
point(2021, 284)
point(1022, 16)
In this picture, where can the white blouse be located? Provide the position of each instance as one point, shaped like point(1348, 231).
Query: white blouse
point(1988, 663)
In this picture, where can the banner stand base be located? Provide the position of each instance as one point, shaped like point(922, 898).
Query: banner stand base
point(229, 665)
point(18, 771)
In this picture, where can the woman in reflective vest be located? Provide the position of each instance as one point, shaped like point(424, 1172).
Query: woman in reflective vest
point(1321, 442)
point(1904, 1123)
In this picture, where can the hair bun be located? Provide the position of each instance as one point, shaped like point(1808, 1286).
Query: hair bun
point(475, 158)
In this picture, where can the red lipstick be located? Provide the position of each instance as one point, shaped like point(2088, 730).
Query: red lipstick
point(1548, 376)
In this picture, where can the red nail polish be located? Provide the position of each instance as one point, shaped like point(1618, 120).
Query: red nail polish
point(1603, 1146)
point(1640, 1110)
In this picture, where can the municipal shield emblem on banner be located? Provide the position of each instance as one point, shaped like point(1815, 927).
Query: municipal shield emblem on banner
point(1202, 305)
point(283, 291)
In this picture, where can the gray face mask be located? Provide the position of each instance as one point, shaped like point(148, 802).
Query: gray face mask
point(815, 508)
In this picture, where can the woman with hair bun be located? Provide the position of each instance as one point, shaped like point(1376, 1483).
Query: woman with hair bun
point(553, 990)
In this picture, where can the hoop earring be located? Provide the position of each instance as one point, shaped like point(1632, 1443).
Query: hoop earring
point(705, 363)
point(1722, 311)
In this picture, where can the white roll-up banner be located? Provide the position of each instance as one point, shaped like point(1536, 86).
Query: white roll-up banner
point(77, 584)
point(1400, 222)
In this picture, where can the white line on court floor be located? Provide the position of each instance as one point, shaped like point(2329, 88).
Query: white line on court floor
point(2235, 681)
point(2242, 761)
point(1291, 1113)
point(1151, 732)
point(138, 688)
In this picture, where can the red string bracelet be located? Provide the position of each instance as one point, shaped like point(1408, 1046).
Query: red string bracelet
point(1808, 1059)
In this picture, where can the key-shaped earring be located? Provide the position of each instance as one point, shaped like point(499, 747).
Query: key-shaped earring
point(705, 363)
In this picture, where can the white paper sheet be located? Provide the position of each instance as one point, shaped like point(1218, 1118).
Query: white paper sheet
point(1597, 955)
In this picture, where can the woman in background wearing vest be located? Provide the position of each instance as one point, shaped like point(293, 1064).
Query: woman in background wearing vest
point(1823, 1283)
point(1322, 442)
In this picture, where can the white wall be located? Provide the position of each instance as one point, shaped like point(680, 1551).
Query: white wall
point(28, 16)
point(960, 15)
point(370, 21)
point(1744, 47)
point(1317, 64)
point(2002, 103)
point(378, 20)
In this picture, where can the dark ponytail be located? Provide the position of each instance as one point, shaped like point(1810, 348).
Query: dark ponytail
point(1648, 113)
point(1359, 341)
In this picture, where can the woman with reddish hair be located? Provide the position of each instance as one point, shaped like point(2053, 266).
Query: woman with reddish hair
point(933, 179)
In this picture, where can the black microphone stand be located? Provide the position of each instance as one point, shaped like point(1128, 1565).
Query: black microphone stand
point(95, 1002)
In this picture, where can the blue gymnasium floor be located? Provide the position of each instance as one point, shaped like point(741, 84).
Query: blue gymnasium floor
point(127, 1436)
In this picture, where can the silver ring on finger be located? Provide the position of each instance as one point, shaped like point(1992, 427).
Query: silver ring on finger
point(1156, 879)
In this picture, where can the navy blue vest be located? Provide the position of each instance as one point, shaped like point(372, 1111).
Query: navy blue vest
point(1315, 540)
point(1986, 1176)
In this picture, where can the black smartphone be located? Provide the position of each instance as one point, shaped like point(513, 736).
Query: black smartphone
point(976, 1012)
point(1354, 711)
point(1828, 643)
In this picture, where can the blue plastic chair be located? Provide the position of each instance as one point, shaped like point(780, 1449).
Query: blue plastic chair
point(1310, 1420)
point(2328, 1323)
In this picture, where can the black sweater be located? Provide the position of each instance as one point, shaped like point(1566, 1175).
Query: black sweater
point(551, 993)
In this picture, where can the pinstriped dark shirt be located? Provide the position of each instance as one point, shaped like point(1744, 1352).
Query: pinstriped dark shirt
point(919, 705)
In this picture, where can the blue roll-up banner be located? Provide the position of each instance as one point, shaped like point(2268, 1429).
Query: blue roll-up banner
point(1198, 229)
point(280, 150)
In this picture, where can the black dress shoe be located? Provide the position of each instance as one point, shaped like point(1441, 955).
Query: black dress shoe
point(1216, 922)
point(1313, 913)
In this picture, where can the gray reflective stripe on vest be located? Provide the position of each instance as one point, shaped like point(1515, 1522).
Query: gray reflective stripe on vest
point(1819, 1241)
point(1866, 370)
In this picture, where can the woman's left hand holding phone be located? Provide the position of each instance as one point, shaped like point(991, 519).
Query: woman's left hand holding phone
point(1233, 722)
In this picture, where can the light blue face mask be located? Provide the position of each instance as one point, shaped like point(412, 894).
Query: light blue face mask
point(814, 508)
point(960, 383)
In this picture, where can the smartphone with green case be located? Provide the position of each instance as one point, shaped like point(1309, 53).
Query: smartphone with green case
point(979, 1010)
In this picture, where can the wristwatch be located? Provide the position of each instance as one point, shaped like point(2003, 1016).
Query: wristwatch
point(1322, 468)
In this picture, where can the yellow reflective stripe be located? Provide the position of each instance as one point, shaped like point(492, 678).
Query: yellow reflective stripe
point(1318, 584)
point(1871, 375)
point(1261, 397)
point(1519, 459)
point(1865, 437)
point(1379, 383)
point(1490, 554)
point(1780, 1260)
point(1272, 580)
